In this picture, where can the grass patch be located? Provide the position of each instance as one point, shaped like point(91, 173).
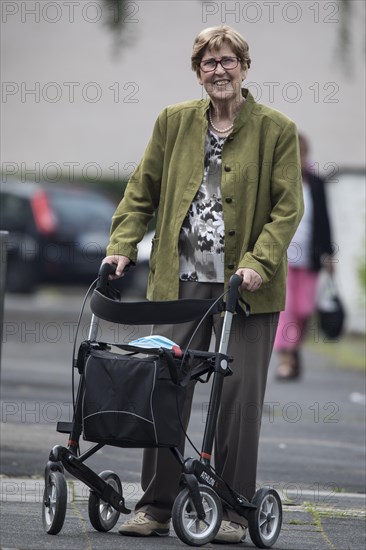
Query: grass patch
point(317, 522)
point(348, 352)
point(297, 522)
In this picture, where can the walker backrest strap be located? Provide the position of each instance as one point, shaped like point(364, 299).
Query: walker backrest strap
point(152, 313)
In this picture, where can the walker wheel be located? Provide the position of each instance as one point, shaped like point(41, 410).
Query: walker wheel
point(102, 515)
point(188, 527)
point(265, 521)
point(54, 503)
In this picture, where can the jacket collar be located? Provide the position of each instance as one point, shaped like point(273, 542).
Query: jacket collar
point(244, 112)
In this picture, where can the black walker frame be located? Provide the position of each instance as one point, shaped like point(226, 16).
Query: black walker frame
point(198, 478)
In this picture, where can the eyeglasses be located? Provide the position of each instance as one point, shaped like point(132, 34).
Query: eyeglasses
point(227, 63)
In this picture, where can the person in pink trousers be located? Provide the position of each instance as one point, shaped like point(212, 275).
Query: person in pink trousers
point(311, 250)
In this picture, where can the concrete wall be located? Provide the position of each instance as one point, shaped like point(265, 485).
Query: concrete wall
point(90, 106)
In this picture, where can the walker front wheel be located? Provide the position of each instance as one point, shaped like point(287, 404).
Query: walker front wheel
point(187, 525)
point(266, 520)
point(102, 515)
point(54, 503)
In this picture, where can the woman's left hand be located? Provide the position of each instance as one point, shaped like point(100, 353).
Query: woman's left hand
point(251, 279)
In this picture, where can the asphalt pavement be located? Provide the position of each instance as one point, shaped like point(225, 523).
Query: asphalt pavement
point(306, 526)
point(312, 447)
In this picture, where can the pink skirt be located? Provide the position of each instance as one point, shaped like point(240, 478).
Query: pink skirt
point(300, 305)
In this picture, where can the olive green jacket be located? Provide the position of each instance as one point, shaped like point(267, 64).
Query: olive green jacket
point(261, 196)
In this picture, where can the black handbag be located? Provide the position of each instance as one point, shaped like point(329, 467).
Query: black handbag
point(330, 310)
point(131, 401)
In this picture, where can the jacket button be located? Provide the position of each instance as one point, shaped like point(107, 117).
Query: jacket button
point(228, 199)
point(230, 266)
point(227, 168)
point(230, 138)
point(231, 232)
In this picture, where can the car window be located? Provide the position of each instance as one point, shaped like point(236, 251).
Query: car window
point(15, 213)
point(80, 210)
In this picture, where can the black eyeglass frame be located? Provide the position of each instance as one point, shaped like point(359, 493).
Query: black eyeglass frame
point(217, 62)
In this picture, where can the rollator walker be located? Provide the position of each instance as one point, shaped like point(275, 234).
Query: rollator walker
point(134, 398)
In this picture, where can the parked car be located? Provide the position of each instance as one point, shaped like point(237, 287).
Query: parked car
point(57, 232)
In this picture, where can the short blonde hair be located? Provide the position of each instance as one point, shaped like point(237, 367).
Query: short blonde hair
point(214, 38)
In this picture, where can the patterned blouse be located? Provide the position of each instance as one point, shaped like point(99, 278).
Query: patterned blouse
point(201, 241)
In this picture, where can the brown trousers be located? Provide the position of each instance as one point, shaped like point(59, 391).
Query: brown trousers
point(237, 435)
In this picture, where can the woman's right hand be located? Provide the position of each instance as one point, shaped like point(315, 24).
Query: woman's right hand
point(120, 262)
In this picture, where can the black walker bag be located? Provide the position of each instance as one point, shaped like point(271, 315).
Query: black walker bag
point(131, 401)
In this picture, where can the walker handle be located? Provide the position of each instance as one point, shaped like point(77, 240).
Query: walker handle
point(233, 294)
point(104, 271)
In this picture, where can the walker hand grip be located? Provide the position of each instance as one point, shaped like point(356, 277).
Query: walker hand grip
point(104, 272)
point(232, 297)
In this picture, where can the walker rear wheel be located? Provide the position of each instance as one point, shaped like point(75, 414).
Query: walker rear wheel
point(266, 520)
point(54, 503)
point(188, 527)
point(102, 515)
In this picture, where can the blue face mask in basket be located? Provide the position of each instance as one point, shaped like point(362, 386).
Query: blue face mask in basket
point(154, 341)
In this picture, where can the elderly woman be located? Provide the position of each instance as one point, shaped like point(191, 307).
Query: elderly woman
point(223, 175)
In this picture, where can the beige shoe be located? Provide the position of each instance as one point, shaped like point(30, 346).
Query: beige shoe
point(230, 533)
point(142, 525)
